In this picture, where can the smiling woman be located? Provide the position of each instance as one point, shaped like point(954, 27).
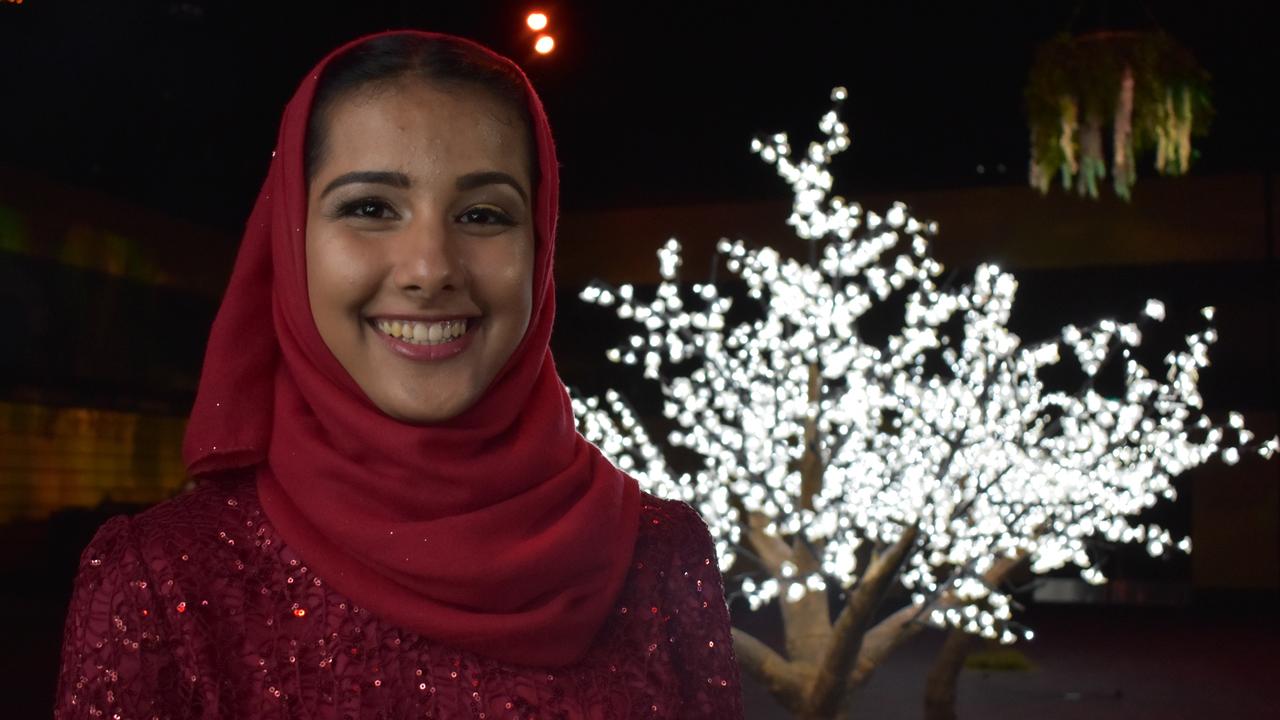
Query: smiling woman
point(394, 514)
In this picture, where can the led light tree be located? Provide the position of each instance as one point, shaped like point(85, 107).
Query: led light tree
point(925, 466)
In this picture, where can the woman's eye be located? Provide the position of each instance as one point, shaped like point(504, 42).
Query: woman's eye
point(485, 215)
point(370, 208)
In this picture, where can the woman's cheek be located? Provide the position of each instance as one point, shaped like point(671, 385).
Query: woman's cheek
point(505, 269)
point(350, 267)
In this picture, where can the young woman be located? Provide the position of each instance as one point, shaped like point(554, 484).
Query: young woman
point(395, 517)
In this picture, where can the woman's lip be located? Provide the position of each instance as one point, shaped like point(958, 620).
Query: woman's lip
point(426, 353)
point(423, 319)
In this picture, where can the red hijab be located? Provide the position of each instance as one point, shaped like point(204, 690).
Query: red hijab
point(501, 531)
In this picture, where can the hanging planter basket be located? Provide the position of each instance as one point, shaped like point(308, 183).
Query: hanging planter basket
point(1097, 102)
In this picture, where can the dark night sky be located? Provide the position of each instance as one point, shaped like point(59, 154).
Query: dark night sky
point(175, 104)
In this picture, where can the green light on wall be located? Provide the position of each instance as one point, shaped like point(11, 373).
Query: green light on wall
point(15, 237)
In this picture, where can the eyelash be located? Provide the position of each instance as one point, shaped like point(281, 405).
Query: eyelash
point(492, 215)
point(351, 209)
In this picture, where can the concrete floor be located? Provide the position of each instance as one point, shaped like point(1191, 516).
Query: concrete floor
point(1100, 663)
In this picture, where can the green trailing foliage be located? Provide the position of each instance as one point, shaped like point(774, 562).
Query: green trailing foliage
point(1142, 87)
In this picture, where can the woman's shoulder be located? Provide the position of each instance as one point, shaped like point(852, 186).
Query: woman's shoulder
point(137, 576)
point(194, 524)
point(202, 516)
point(674, 525)
point(678, 512)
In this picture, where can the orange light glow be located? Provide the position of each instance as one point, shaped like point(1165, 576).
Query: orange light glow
point(536, 21)
point(545, 44)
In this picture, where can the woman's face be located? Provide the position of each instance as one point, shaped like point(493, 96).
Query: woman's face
point(420, 244)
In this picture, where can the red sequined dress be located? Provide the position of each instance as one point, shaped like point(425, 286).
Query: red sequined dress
point(197, 609)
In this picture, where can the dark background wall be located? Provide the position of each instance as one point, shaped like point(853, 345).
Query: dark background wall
point(134, 136)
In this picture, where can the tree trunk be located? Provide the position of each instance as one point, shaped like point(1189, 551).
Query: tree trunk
point(825, 660)
point(940, 687)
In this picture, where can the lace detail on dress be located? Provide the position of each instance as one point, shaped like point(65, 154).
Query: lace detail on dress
point(195, 609)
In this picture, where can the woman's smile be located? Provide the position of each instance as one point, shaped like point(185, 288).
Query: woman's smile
point(427, 340)
point(423, 332)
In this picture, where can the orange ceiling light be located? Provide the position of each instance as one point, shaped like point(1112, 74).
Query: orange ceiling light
point(536, 21)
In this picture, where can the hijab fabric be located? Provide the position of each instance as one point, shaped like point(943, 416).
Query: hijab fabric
point(501, 531)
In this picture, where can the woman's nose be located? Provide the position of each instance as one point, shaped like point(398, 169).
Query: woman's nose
point(427, 260)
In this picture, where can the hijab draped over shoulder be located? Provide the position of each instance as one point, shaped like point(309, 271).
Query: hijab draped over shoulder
point(501, 531)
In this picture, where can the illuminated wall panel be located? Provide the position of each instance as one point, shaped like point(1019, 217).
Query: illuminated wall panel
point(53, 458)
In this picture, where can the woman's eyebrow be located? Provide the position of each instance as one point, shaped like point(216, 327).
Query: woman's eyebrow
point(380, 177)
point(471, 181)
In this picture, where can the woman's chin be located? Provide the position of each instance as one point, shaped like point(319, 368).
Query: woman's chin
point(418, 413)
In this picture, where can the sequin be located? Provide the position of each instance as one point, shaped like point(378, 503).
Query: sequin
point(244, 642)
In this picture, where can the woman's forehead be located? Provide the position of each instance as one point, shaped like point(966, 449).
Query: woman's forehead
point(424, 126)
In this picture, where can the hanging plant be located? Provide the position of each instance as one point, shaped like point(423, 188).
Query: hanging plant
point(1150, 89)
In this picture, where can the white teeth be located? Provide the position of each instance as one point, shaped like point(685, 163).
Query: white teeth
point(420, 333)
